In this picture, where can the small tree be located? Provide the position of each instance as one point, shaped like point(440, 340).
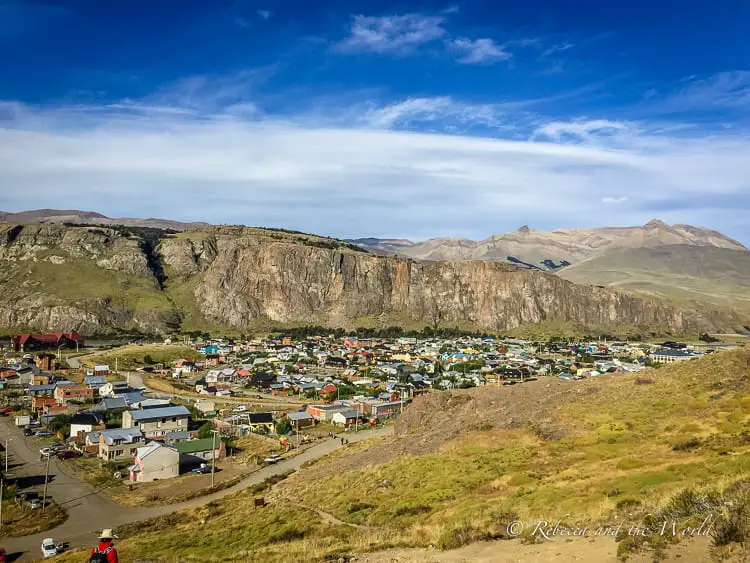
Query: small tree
point(147, 359)
point(205, 430)
point(283, 426)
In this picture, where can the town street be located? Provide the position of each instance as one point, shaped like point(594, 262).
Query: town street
point(88, 512)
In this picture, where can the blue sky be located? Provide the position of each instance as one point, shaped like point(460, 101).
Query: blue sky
point(393, 119)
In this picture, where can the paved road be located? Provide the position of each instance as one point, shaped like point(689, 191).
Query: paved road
point(88, 512)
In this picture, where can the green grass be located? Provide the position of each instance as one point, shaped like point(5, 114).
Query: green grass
point(133, 356)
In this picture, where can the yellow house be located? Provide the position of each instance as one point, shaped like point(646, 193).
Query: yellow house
point(402, 357)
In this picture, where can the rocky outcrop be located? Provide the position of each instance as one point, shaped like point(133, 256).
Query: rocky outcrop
point(242, 278)
point(234, 276)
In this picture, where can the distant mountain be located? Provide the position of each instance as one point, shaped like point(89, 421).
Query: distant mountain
point(75, 216)
point(682, 273)
point(552, 250)
point(382, 245)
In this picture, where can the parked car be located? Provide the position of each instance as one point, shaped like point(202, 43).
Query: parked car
point(49, 548)
point(67, 454)
point(34, 503)
point(45, 451)
point(3, 555)
point(204, 468)
point(43, 433)
point(28, 432)
point(241, 408)
point(273, 459)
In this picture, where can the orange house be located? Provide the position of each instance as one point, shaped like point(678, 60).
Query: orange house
point(39, 403)
point(65, 393)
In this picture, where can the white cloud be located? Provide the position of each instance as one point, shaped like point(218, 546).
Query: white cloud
point(351, 180)
point(621, 199)
point(479, 51)
point(725, 90)
point(557, 48)
point(391, 34)
point(264, 14)
point(438, 109)
point(584, 130)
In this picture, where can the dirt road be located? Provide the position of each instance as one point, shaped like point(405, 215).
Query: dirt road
point(88, 512)
point(136, 380)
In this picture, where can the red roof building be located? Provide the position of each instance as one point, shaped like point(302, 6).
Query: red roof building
point(50, 341)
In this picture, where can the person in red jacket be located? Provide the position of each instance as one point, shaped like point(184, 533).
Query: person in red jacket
point(105, 551)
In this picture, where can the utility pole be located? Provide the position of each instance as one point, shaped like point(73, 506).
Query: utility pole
point(46, 480)
point(213, 455)
point(1, 502)
point(6, 453)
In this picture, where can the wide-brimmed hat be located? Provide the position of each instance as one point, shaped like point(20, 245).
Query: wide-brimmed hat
point(107, 534)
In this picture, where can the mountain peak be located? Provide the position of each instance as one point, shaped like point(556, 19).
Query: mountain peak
point(656, 224)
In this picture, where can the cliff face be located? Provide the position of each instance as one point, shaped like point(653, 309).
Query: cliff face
point(244, 277)
point(91, 279)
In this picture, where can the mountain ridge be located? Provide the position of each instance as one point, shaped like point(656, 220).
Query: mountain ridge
point(572, 245)
point(98, 279)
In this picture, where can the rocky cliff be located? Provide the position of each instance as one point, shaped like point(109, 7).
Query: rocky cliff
point(94, 278)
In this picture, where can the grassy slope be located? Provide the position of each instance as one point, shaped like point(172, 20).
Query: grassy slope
point(683, 274)
point(131, 357)
point(466, 480)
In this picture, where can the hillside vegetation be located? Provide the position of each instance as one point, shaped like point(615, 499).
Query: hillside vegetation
point(672, 442)
point(687, 275)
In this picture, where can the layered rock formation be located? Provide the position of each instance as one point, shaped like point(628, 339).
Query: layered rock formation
point(92, 278)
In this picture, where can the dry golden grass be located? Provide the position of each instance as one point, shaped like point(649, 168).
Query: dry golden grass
point(627, 450)
point(20, 520)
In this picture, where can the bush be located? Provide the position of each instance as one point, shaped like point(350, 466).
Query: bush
point(205, 430)
point(283, 426)
point(687, 445)
point(358, 507)
point(412, 509)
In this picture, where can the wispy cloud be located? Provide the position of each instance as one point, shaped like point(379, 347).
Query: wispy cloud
point(264, 14)
point(442, 112)
point(580, 131)
point(299, 171)
point(479, 51)
point(728, 90)
point(391, 34)
point(207, 94)
point(615, 200)
point(557, 48)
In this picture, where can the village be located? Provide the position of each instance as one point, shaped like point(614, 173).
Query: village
point(207, 412)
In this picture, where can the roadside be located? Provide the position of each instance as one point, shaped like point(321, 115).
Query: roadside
point(89, 511)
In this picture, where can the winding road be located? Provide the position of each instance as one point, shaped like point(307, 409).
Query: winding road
point(89, 512)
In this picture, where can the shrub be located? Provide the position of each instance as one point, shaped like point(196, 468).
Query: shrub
point(687, 445)
point(358, 507)
point(412, 509)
